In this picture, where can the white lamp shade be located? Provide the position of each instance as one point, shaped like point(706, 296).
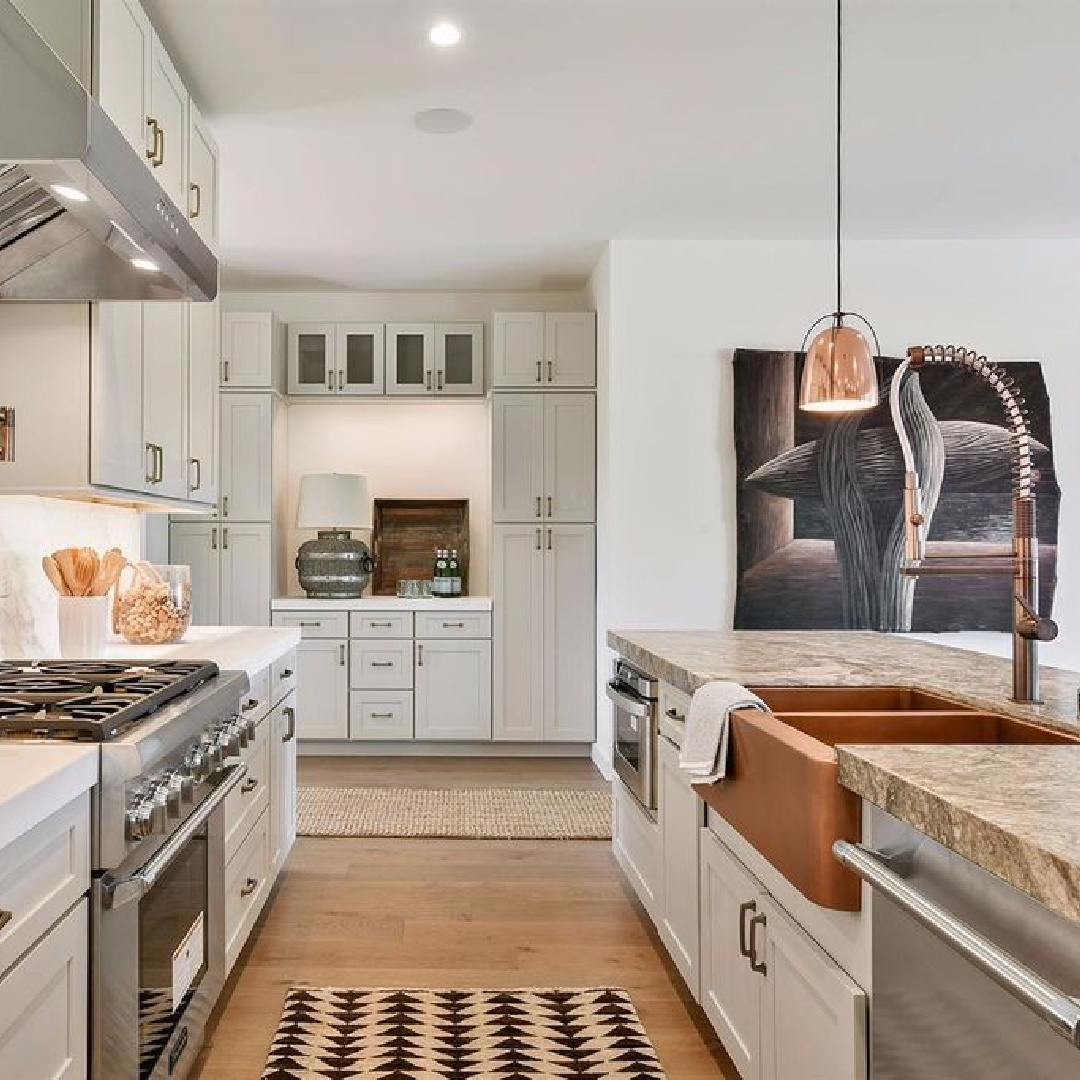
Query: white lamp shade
point(333, 501)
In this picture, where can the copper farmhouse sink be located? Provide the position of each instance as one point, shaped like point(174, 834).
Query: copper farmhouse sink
point(782, 793)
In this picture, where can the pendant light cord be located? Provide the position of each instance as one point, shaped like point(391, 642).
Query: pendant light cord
point(839, 151)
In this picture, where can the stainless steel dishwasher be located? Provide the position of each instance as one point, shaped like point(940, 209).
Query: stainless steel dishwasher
point(972, 979)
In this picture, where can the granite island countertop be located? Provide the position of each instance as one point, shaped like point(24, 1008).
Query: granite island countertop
point(1013, 810)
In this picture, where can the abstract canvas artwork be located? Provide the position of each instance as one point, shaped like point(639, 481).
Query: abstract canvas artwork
point(819, 502)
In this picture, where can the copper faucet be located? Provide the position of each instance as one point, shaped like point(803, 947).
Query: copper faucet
point(1022, 564)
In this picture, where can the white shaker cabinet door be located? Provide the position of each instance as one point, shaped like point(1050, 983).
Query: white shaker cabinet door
point(118, 455)
point(518, 583)
point(169, 111)
point(245, 574)
point(197, 544)
point(247, 349)
point(43, 1005)
point(518, 349)
point(246, 452)
point(202, 190)
point(570, 349)
point(282, 781)
point(203, 402)
point(453, 689)
point(732, 993)
point(814, 1016)
point(122, 71)
point(518, 457)
point(569, 633)
point(570, 457)
point(322, 689)
point(165, 395)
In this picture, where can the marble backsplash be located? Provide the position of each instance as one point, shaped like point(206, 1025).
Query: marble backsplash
point(31, 527)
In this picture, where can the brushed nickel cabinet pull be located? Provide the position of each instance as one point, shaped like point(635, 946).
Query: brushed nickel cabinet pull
point(756, 965)
point(539, 546)
point(7, 432)
point(224, 505)
point(224, 371)
point(311, 622)
point(539, 372)
point(382, 663)
point(330, 380)
point(551, 503)
point(419, 655)
point(224, 539)
point(5, 918)
point(213, 539)
point(373, 624)
point(286, 674)
point(440, 380)
point(382, 716)
point(551, 371)
point(196, 210)
point(539, 506)
point(744, 909)
point(160, 159)
point(249, 886)
point(149, 471)
point(341, 656)
point(427, 380)
point(160, 474)
point(290, 732)
point(453, 626)
point(549, 540)
point(154, 127)
point(198, 473)
point(249, 785)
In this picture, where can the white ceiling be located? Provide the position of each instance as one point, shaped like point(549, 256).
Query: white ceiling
point(596, 118)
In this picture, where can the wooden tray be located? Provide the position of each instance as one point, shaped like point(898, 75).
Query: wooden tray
point(406, 535)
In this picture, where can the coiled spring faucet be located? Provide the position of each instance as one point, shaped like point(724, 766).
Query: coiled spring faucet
point(1029, 627)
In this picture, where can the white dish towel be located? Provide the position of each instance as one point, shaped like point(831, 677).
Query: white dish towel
point(704, 752)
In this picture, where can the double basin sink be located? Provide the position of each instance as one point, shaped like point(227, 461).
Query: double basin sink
point(782, 791)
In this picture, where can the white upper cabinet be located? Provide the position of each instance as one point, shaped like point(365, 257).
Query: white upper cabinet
point(246, 574)
point(202, 196)
point(203, 410)
point(518, 457)
point(168, 123)
point(410, 359)
point(164, 394)
point(117, 453)
point(312, 360)
point(360, 352)
point(249, 344)
point(459, 358)
point(197, 544)
point(247, 431)
point(544, 349)
point(335, 359)
point(122, 72)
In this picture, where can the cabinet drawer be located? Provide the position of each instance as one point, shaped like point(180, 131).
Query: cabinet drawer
point(315, 624)
point(374, 624)
point(255, 704)
point(43, 1013)
point(42, 874)
point(247, 878)
point(381, 665)
point(251, 796)
point(454, 624)
point(380, 714)
point(282, 677)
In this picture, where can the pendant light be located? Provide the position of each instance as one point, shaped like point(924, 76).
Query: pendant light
point(839, 375)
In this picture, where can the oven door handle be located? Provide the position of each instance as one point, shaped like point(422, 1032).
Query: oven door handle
point(1057, 1008)
point(120, 891)
point(635, 706)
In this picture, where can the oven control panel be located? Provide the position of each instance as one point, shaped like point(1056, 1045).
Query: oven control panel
point(164, 796)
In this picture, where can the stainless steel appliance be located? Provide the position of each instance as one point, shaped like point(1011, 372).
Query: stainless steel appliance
point(972, 979)
point(81, 216)
point(635, 727)
point(169, 736)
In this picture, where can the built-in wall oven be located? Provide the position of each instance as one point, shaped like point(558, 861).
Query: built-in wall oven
point(635, 728)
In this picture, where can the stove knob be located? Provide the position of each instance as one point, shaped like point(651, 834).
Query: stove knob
point(229, 742)
point(159, 810)
point(138, 821)
point(181, 790)
point(170, 793)
point(186, 783)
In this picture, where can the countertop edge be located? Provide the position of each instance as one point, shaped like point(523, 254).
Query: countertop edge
point(384, 603)
point(27, 808)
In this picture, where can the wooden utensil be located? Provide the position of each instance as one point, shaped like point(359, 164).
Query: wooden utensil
point(108, 573)
point(86, 568)
point(52, 572)
point(65, 561)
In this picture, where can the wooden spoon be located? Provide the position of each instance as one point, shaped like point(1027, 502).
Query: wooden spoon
point(52, 572)
point(112, 562)
point(86, 568)
point(65, 562)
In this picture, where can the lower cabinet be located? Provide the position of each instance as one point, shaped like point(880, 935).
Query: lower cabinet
point(230, 570)
point(782, 1007)
point(636, 842)
point(43, 1005)
point(322, 705)
point(247, 881)
point(453, 689)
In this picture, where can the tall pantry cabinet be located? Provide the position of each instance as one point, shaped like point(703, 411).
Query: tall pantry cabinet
point(544, 552)
point(231, 554)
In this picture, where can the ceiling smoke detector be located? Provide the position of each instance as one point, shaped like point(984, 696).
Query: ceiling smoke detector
point(442, 121)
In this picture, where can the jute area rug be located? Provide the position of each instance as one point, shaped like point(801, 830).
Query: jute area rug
point(468, 813)
point(589, 1034)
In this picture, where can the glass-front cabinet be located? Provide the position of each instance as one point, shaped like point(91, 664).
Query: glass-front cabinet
point(312, 359)
point(360, 358)
point(335, 358)
point(459, 358)
point(410, 358)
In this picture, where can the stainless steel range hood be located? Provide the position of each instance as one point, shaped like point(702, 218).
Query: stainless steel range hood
point(81, 215)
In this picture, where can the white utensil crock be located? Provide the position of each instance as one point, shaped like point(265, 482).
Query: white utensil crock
point(84, 624)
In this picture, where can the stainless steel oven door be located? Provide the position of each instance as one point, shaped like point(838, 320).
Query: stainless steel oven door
point(158, 944)
point(634, 743)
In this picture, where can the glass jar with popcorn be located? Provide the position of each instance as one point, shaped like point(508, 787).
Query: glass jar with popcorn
point(153, 603)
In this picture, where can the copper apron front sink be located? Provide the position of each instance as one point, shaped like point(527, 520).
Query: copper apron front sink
point(782, 792)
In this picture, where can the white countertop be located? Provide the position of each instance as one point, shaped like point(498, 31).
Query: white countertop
point(36, 779)
point(232, 648)
point(384, 603)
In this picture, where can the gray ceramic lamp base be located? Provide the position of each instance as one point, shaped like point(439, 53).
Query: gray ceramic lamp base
point(334, 566)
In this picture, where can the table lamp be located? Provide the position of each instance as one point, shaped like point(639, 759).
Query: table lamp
point(334, 566)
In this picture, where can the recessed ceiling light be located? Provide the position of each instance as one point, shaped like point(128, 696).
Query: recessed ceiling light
point(148, 265)
point(444, 34)
point(442, 121)
point(72, 194)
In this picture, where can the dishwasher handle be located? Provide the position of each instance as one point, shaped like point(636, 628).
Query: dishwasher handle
point(628, 702)
point(1051, 1004)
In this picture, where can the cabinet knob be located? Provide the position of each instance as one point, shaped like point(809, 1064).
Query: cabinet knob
point(249, 886)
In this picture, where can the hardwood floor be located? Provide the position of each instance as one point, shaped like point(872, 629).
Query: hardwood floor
point(454, 913)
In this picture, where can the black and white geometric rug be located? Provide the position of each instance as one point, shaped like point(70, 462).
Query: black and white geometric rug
point(588, 1034)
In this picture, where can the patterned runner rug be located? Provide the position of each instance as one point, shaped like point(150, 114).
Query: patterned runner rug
point(471, 813)
point(589, 1034)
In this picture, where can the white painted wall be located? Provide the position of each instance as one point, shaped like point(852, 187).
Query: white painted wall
point(676, 307)
point(32, 527)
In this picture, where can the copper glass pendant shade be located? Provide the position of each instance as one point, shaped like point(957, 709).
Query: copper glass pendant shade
point(839, 375)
